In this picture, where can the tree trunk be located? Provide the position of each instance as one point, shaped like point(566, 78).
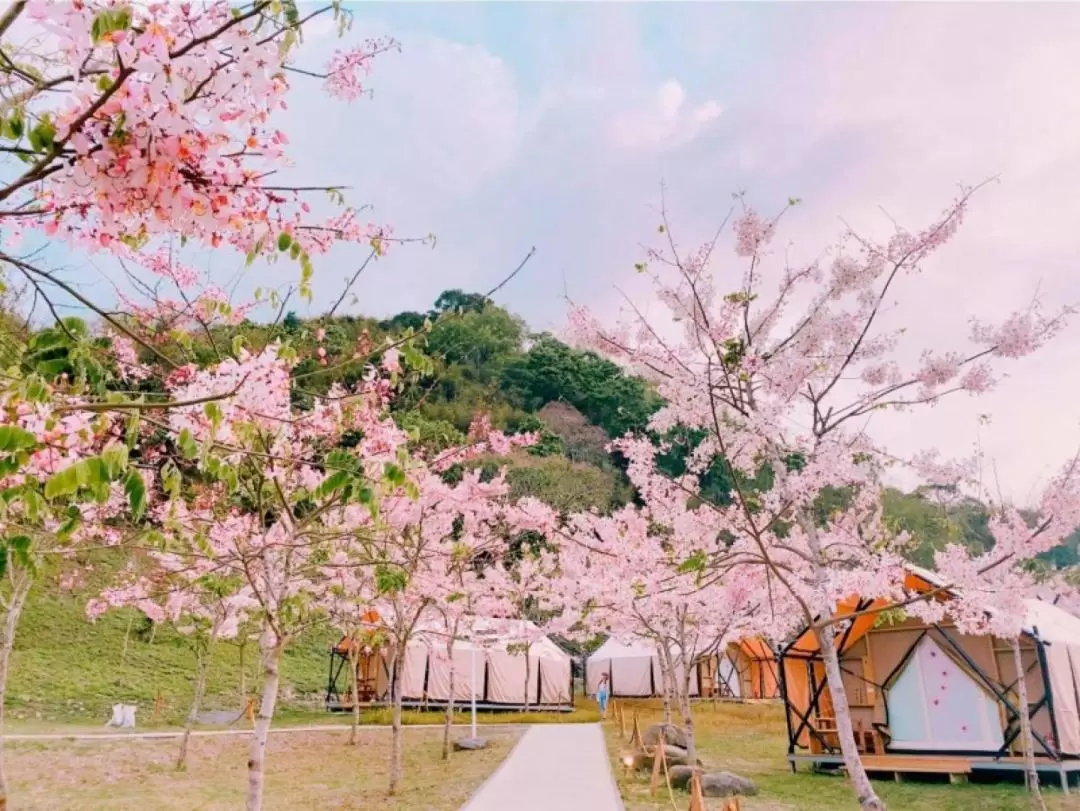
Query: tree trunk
point(684, 699)
point(21, 582)
point(665, 686)
point(864, 790)
point(270, 649)
point(527, 678)
point(1031, 774)
point(203, 659)
point(243, 673)
point(395, 732)
point(450, 704)
point(354, 666)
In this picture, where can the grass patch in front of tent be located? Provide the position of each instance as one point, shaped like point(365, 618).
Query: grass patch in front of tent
point(751, 740)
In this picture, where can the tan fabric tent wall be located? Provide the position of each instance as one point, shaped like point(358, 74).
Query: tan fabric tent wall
point(877, 660)
point(501, 665)
point(633, 669)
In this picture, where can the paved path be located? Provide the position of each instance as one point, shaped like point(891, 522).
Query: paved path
point(554, 767)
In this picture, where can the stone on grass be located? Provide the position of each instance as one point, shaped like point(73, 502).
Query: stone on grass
point(675, 756)
point(470, 744)
point(680, 775)
point(676, 736)
point(726, 784)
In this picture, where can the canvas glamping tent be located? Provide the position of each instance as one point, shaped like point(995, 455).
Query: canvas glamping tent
point(424, 670)
point(746, 669)
point(919, 689)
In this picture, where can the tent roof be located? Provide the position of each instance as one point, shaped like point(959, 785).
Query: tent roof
point(1053, 624)
point(614, 649)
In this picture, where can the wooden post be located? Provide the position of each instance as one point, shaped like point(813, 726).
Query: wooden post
point(159, 705)
point(697, 801)
point(636, 739)
point(249, 710)
point(659, 762)
point(622, 721)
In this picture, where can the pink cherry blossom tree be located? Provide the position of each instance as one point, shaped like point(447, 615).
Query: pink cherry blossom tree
point(421, 547)
point(204, 603)
point(778, 367)
point(66, 483)
point(125, 126)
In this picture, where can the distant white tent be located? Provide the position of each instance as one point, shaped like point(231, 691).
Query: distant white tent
point(501, 662)
point(633, 670)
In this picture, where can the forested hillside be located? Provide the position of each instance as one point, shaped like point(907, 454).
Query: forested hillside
point(477, 357)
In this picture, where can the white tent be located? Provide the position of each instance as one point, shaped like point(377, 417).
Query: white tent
point(633, 670)
point(501, 665)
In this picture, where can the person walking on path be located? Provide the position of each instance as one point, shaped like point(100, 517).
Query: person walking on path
point(602, 693)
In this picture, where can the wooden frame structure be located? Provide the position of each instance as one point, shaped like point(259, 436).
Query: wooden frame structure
point(874, 653)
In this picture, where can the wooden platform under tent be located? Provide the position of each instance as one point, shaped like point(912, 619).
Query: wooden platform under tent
point(958, 767)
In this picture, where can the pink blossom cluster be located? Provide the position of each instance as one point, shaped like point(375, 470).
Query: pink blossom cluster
point(164, 127)
point(347, 68)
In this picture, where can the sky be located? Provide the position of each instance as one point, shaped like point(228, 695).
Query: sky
point(499, 127)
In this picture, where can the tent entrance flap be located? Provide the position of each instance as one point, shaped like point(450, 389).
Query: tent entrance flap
point(943, 707)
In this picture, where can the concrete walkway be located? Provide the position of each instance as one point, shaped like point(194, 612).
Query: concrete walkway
point(554, 767)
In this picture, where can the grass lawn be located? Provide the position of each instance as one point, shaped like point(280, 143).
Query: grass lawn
point(750, 739)
point(305, 770)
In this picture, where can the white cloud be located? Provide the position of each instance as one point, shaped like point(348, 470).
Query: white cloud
point(663, 122)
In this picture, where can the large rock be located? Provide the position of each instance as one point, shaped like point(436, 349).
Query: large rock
point(470, 744)
point(726, 784)
point(680, 775)
point(676, 736)
point(675, 755)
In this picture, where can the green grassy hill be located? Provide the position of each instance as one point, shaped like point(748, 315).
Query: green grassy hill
point(66, 668)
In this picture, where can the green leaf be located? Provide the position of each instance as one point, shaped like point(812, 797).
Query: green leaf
point(115, 457)
point(389, 580)
point(43, 135)
point(13, 438)
point(332, 483)
point(170, 479)
point(136, 493)
point(284, 240)
point(70, 523)
point(62, 483)
point(254, 252)
point(695, 563)
point(394, 474)
point(237, 344)
point(186, 442)
point(131, 431)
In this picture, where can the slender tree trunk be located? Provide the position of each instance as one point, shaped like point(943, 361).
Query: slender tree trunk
point(687, 711)
point(243, 672)
point(270, 649)
point(354, 666)
point(21, 582)
point(449, 704)
point(665, 686)
point(1031, 774)
point(395, 733)
point(527, 677)
point(202, 664)
point(864, 790)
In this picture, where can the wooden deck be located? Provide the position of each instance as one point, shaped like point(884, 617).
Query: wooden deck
point(953, 765)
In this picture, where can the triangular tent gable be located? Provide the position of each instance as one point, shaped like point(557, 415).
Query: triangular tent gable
point(934, 704)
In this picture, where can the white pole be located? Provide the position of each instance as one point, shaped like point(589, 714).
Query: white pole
point(472, 678)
